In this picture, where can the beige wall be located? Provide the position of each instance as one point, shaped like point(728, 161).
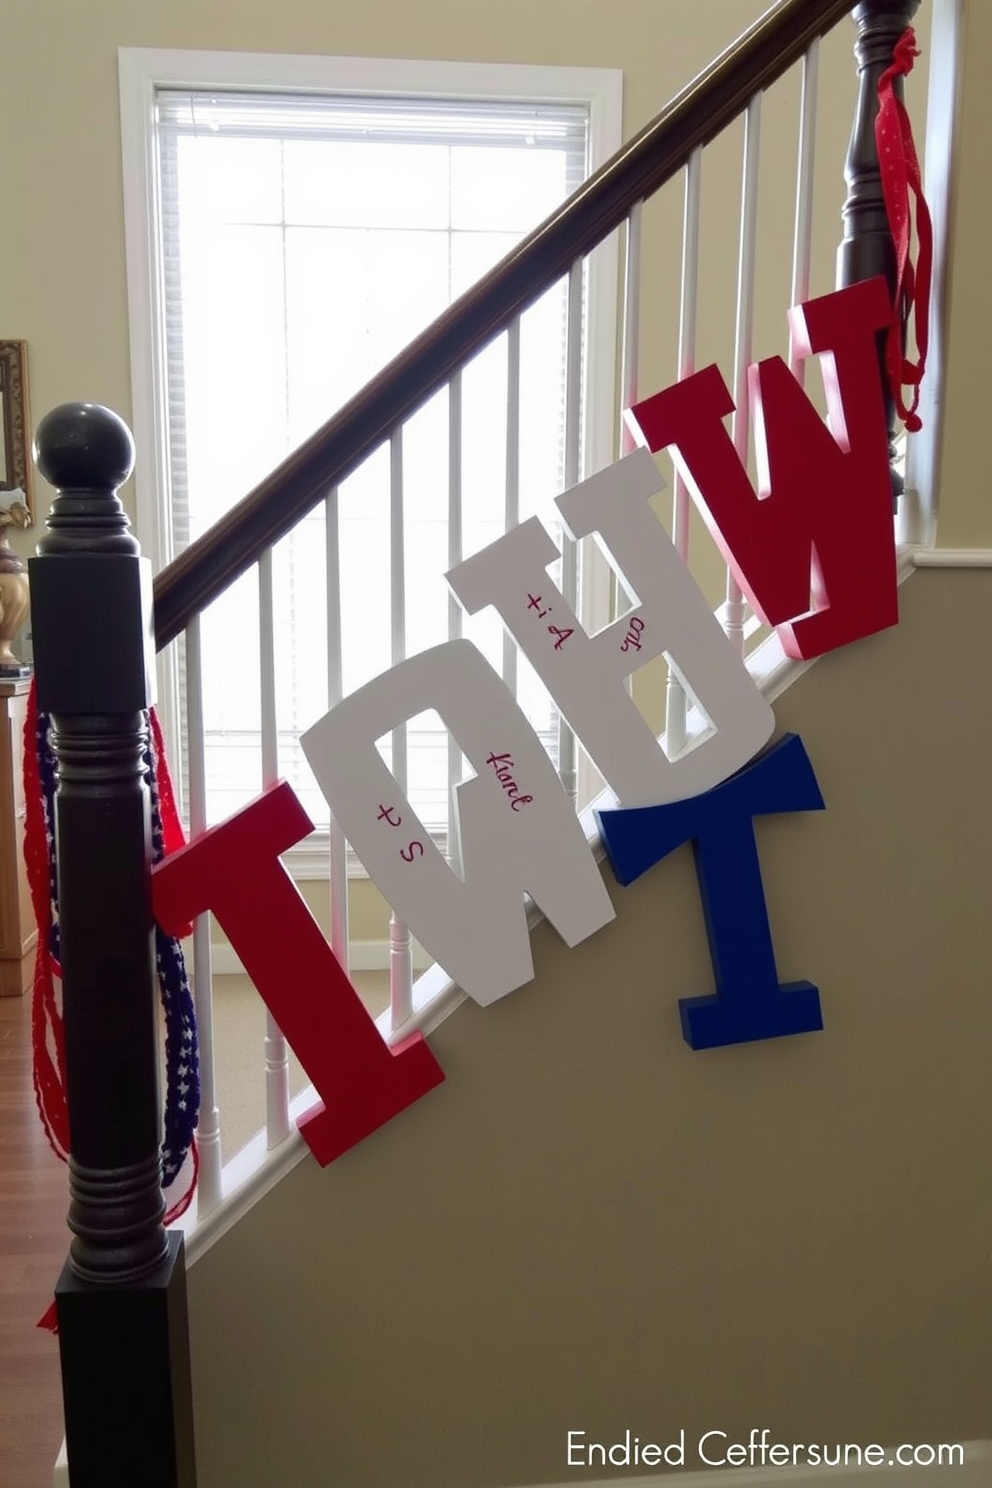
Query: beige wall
point(589, 1226)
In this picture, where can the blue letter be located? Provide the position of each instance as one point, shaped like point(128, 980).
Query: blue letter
point(749, 1002)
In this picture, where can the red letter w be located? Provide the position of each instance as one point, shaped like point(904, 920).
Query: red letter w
point(820, 526)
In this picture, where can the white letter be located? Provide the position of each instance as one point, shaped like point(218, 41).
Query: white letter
point(585, 674)
point(476, 929)
point(711, 1461)
point(571, 1460)
point(624, 1449)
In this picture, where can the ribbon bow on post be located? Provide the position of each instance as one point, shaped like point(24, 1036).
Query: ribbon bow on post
point(900, 173)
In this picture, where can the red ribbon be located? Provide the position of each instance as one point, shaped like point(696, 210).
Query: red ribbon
point(900, 172)
point(173, 836)
point(47, 1033)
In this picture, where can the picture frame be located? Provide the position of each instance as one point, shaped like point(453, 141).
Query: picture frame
point(16, 473)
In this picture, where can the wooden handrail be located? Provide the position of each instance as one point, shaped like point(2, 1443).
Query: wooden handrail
point(699, 113)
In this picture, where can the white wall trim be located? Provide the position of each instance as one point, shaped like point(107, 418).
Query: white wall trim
point(307, 72)
point(952, 558)
point(974, 1472)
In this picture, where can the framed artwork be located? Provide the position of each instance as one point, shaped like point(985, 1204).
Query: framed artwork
point(15, 430)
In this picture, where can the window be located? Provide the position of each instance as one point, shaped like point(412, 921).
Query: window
point(292, 223)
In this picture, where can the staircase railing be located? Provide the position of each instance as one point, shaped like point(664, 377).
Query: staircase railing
point(93, 633)
point(717, 97)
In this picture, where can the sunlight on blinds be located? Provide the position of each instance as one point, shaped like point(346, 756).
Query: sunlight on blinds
point(306, 241)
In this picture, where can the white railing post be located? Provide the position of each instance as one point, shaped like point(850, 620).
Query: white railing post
point(630, 353)
point(675, 701)
point(455, 550)
point(209, 1184)
point(631, 320)
point(735, 608)
point(400, 944)
point(337, 846)
point(803, 237)
point(276, 1053)
point(511, 503)
point(572, 466)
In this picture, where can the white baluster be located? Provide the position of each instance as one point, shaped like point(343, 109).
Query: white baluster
point(511, 505)
point(631, 333)
point(455, 547)
point(675, 702)
point(209, 1185)
point(276, 1053)
point(573, 463)
point(803, 238)
point(400, 944)
point(735, 608)
point(337, 846)
point(631, 321)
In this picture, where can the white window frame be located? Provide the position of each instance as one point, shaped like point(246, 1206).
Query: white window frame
point(142, 71)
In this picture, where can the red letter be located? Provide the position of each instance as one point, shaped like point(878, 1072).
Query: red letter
point(234, 870)
point(821, 523)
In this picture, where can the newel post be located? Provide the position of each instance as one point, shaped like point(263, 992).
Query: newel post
point(867, 248)
point(121, 1298)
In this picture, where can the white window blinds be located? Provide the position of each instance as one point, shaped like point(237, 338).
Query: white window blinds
point(305, 240)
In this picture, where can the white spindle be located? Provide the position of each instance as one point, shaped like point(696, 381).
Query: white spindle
point(276, 1053)
point(631, 320)
point(209, 1186)
point(267, 671)
point(400, 945)
point(511, 504)
point(734, 610)
point(337, 846)
point(631, 332)
point(572, 463)
point(675, 709)
point(802, 241)
point(455, 552)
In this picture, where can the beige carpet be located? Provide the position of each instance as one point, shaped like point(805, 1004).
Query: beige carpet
point(239, 1052)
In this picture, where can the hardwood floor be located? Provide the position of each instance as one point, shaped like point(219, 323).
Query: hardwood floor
point(33, 1245)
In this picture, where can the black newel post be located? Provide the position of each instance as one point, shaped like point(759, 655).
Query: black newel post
point(122, 1294)
point(867, 248)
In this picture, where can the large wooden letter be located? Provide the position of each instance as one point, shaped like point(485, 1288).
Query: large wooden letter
point(585, 674)
point(749, 1003)
point(821, 523)
point(517, 830)
point(234, 870)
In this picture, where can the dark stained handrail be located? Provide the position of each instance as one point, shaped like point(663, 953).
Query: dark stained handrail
point(694, 117)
